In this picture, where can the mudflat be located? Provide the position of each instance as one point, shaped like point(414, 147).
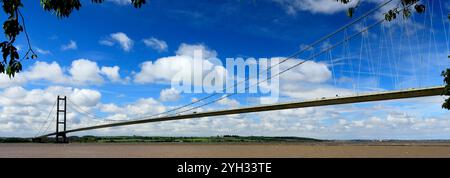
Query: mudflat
point(224, 150)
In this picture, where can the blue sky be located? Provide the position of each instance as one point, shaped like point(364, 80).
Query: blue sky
point(97, 57)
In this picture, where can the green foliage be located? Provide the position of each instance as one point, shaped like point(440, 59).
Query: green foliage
point(65, 8)
point(405, 10)
point(420, 8)
point(446, 92)
point(61, 8)
point(350, 10)
point(15, 24)
point(392, 14)
point(14, 140)
point(10, 63)
point(138, 3)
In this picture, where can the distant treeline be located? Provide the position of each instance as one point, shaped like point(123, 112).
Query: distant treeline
point(216, 139)
point(14, 140)
point(161, 139)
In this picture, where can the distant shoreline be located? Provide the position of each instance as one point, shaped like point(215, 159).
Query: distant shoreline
point(164, 139)
point(215, 139)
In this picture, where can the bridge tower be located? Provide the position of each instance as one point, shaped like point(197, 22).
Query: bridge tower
point(61, 136)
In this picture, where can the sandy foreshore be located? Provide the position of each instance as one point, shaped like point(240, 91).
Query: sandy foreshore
point(247, 150)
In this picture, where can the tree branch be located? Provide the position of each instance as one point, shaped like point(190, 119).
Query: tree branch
point(30, 49)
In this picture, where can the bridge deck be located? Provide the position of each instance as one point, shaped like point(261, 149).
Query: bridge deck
point(390, 95)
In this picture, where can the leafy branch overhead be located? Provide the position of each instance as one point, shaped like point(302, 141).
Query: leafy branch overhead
point(10, 63)
point(392, 14)
point(446, 75)
point(65, 8)
point(15, 24)
point(446, 92)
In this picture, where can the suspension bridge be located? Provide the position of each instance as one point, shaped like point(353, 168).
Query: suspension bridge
point(369, 34)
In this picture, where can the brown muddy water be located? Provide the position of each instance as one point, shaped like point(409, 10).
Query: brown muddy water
point(214, 150)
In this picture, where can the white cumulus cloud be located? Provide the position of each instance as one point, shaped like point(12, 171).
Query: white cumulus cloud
point(120, 2)
point(112, 73)
point(232, 103)
point(46, 71)
point(125, 42)
point(166, 68)
point(81, 72)
point(292, 7)
point(72, 45)
point(85, 71)
point(169, 94)
point(156, 44)
point(42, 51)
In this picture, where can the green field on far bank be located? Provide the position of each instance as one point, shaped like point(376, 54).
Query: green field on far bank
point(163, 139)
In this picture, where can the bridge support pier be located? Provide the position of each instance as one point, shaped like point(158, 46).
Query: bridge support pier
point(61, 135)
point(40, 140)
point(61, 138)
